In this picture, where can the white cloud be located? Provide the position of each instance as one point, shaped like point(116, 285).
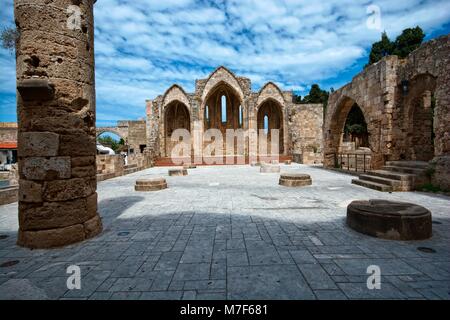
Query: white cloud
point(144, 46)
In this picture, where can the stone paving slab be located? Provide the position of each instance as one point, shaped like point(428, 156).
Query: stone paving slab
point(228, 232)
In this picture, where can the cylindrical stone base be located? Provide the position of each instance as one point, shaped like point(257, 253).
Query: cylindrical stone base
point(178, 172)
point(295, 180)
point(390, 220)
point(152, 184)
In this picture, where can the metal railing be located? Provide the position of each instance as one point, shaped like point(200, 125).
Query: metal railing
point(351, 161)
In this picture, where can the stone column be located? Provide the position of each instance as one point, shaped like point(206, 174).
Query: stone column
point(56, 118)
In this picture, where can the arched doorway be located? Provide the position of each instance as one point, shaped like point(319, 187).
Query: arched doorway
point(223, 110)
point(349, 137)
point(176, 117)
point(420, 105)
point(269, 118)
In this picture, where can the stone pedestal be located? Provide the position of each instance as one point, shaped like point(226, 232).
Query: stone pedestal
point(390, 220)
point(295, 180)
point(56, 123)
point(178, 172)
point(151, 184)
point(269, 168)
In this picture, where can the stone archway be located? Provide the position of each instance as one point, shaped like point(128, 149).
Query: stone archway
point(270, 117)
point(335, 131)
point(176, 116)
point(419, 112)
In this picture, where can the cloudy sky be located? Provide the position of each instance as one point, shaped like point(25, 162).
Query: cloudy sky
point(144, 46)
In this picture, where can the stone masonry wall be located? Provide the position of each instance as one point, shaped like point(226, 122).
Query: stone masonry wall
point(56, 113)
point(8, 132)
point(305, 131)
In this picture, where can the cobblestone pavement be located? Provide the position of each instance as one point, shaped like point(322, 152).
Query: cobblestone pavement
point(229, 232)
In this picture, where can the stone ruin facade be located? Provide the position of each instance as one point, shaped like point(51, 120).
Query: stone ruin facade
point(299, 125)
point(56, 124)
point(406, 105)
point(57, 133)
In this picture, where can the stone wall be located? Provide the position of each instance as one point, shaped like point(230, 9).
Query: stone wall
point(56, 113)
point(8, 132)
point(398, 99)
point(9, 195)
point(137, 135)
point(305, 132)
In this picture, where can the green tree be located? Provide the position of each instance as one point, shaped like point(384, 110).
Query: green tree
point(8, 38)
point(108, 141)
point(316, 95)
point(380, 49)
point(408, 41)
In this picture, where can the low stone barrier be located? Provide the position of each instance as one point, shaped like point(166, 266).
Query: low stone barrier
point(178, 172)
point(269, 168)
point(390, 220)
point(9, 195)
point(151, 184)
point(295, 180)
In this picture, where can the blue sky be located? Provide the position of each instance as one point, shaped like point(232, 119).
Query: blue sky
point(144, 46)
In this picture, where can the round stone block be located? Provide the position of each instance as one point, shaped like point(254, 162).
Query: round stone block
point(178, 172)
point(269, 168)
point(287, 162)
point(151, 184)
point(390, 220)
point(295, 180)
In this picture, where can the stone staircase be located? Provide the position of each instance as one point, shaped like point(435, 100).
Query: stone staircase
point(395, 176)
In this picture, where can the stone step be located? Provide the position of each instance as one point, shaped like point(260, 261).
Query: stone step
point(397, 185)
point(373, 185)
point(391, 175)
point(408, 164)
point(403, 169)
point(130, 170)
point(130, 166)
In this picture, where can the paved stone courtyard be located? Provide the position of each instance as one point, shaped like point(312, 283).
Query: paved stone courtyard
point(229, 232)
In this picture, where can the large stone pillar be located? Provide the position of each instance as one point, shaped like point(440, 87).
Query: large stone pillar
point(56, 117)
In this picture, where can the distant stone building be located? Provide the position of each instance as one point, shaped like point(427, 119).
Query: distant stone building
point(8, 144)
point(226, 101)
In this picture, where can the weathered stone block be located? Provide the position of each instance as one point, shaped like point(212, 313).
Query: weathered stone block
point(38, 144)
point(178, 172)
point(52, 237)
point(63, 190)
point(77, 144)
point(50, 215)
point(30, 191)
point(93, 227)
point(38, 168)
point(152, 184)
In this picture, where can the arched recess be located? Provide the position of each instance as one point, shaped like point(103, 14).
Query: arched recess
point(340, 139)
point(270, 117)
point(271, 90)
point(419, 113)
point(176, 116)
point(222, 107)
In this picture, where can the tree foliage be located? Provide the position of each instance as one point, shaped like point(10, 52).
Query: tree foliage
point(316, 95)
point(109, 141)
point(355, 123)
point(8, 38)
point(409, 40)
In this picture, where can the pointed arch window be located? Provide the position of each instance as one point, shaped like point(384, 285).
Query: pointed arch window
point(240, 116)
point(266, 124)
point(207, 113)
point(224, 109)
